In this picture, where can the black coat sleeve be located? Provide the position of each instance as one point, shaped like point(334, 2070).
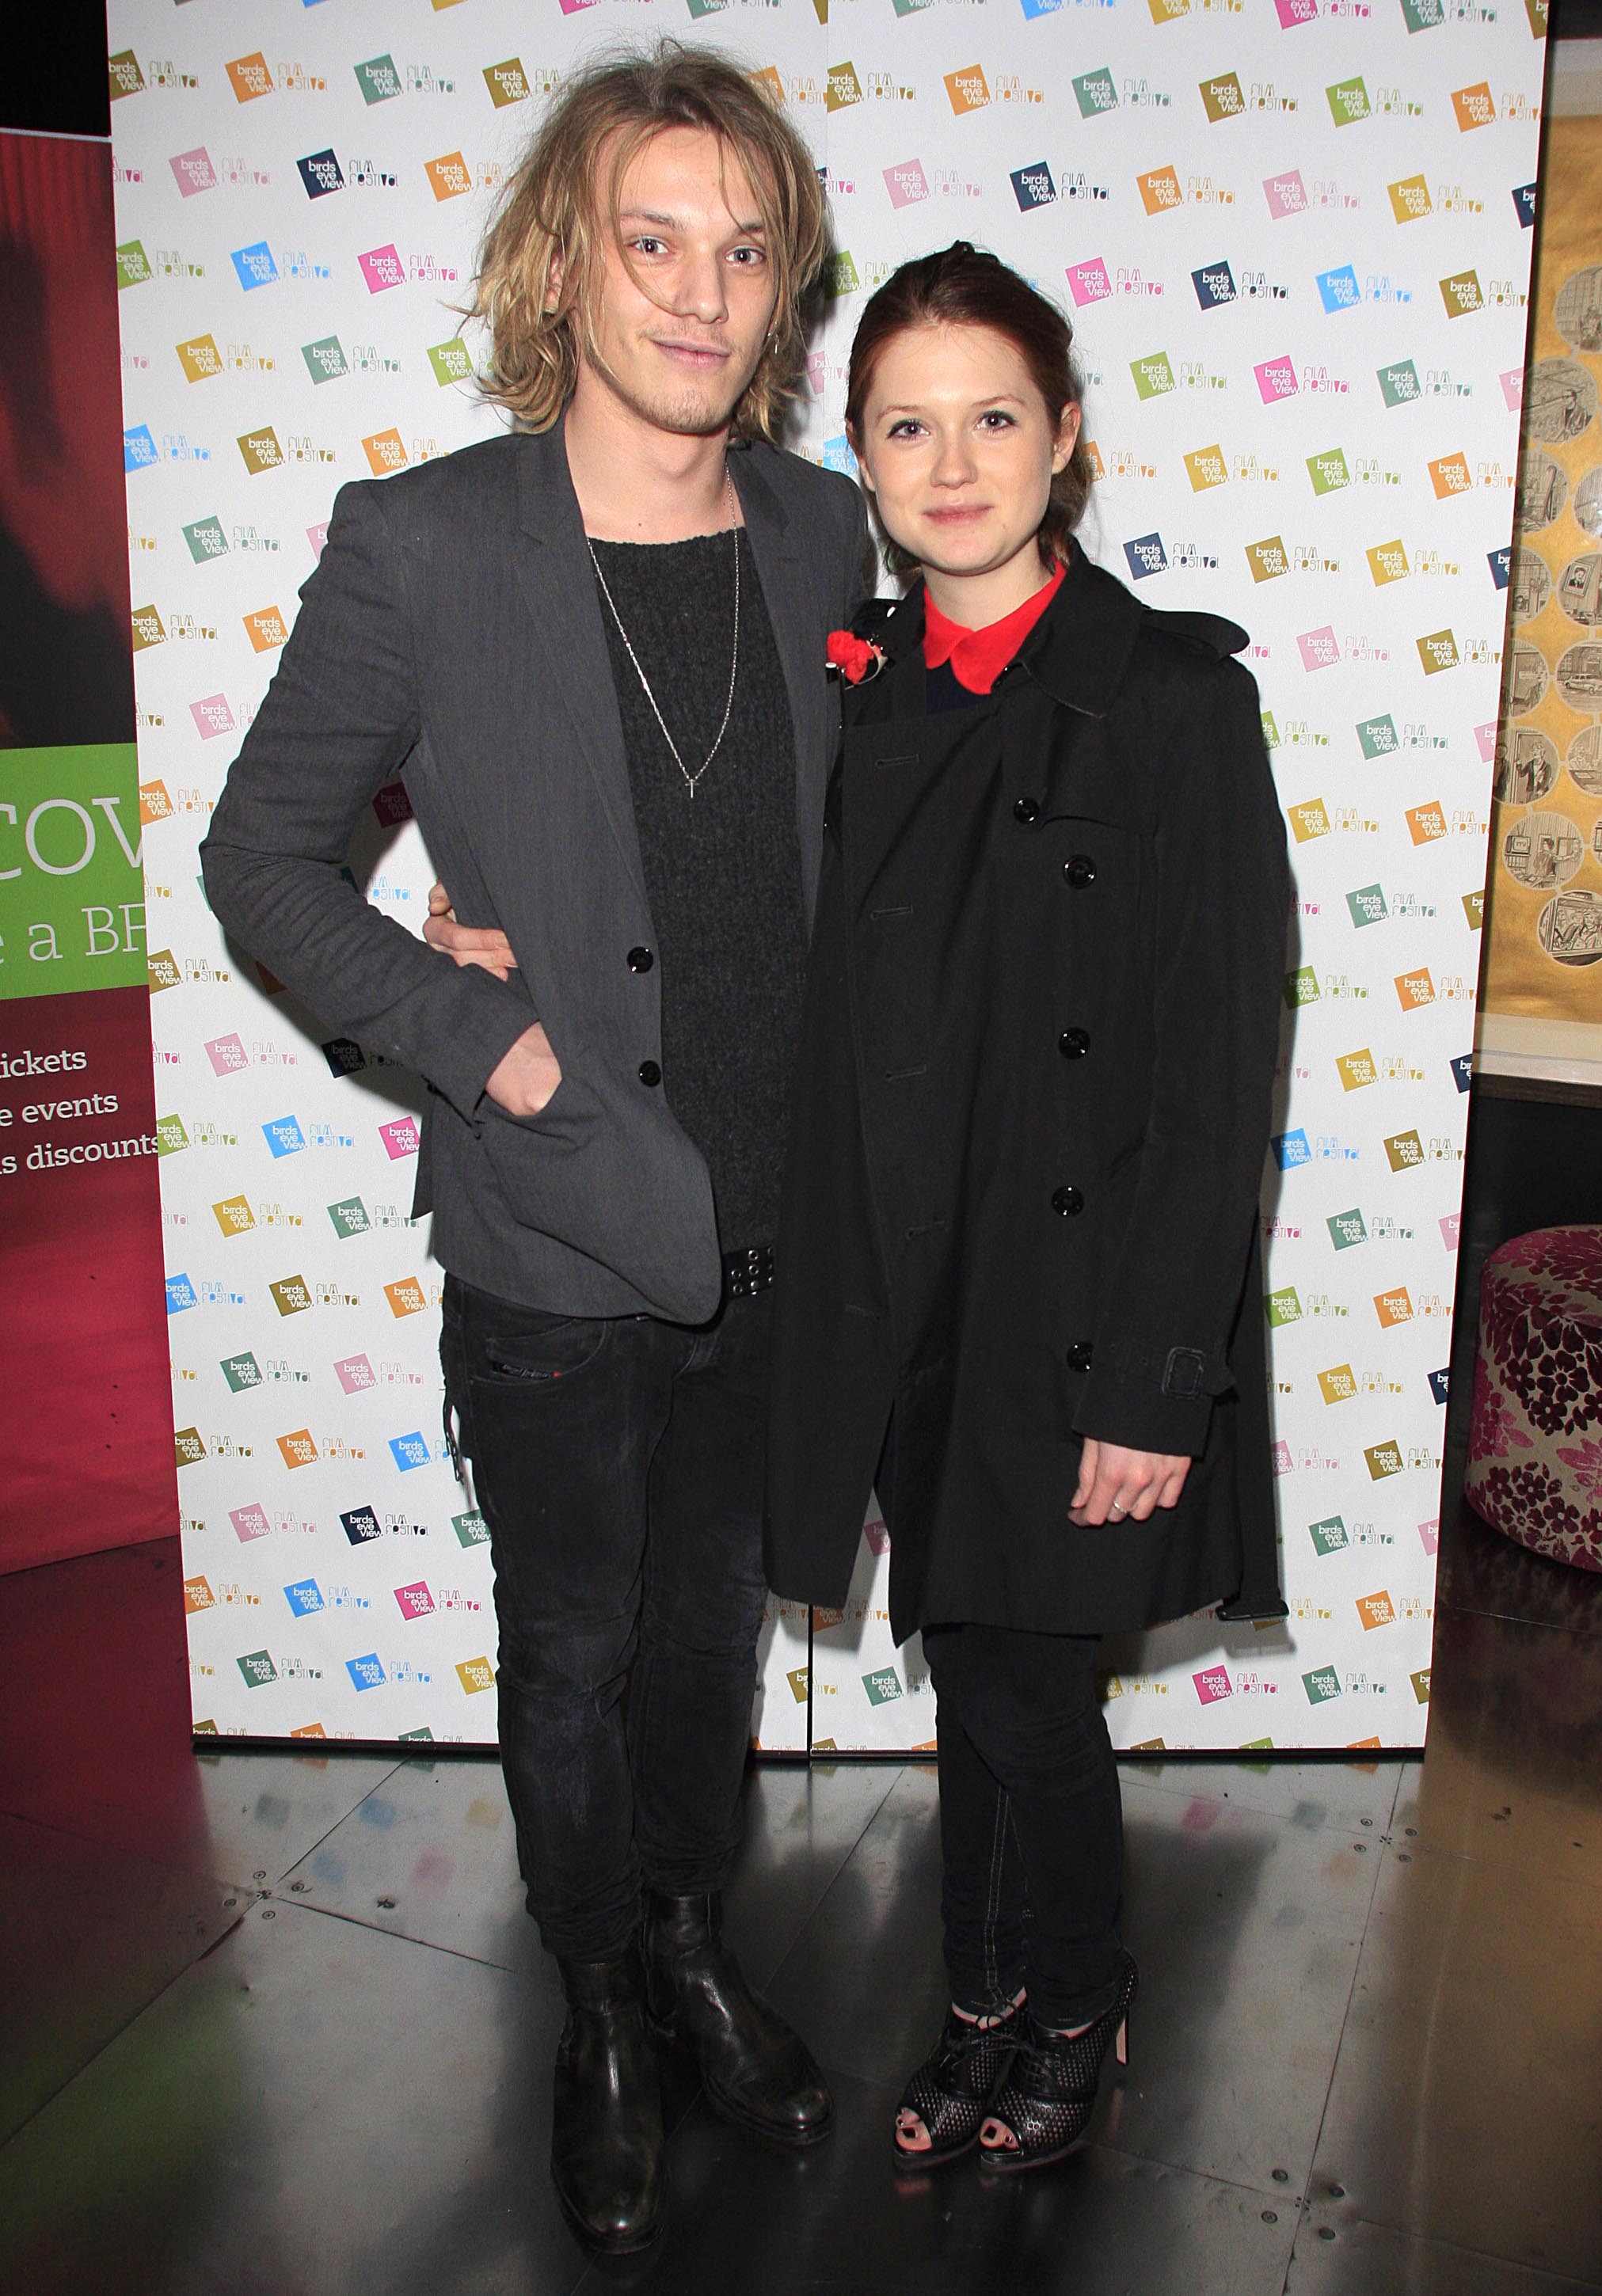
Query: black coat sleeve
point(1221, 909)
point(339, 720)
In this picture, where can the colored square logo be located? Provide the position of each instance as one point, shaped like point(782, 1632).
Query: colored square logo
point(124, 74)
point(1286, 193)
point(1276, 380)
point(1449, 475)
point(1147, 556)
point(1338, 1384)
point(344, 1056)
point(255, 265)
point(1338, 290)
point(193, 172)
point(882, 1686)
point(258, 1670)
point(1088, 283)
point(170, 1135)
point(401, 1137)
point(1388, 562)
point(240, 1371)
point(304, 1596)
point(233, 1215)
point(349, 1217)
point(1032, 187)
point(325, 359)
point(1404, 1152)
point(844, 87)
point(250, 1523)
point(1421, 1685)
point(321, 173)
point(1346, 1229)
point(1393, 1308)
point(206, 540)
point(1323, 1682)
point(298, 1448)
point(138, 448)
point(181, 1293)
point(354, 1374)
point(1154, 375)
point(1474, 912)
point(1268, 560)
point(906, 184)
point(471, 1529)
point(1300, 986)
point(385, 453)
point(378, 80)
point(1348, 101)
point(1212, 1684)
point(1474, 106)
point(1409, 199)
point(1214, 284)
point(1319, 649)
point(1524, 203)
point(1356, 1069)
point(1438, 651)
point(1376, 1611)
point(148, 628)
point(1309, 819)
point(1414, 990)
point(1461, 294)
point(1367, 906)
point(213, 717)
point(133, 264)
point(1422, 15)
point(283, 1136)
point(408, 1451)
point(382, 268)
point(416, 1601)
point(1159, 190)
point(289, 1295)
point(1094, 92)
point(1329, 1536)
point(1206, 467)
point(365, 1673)
point(361, 1525)
point(1399, 383)
point(249, 76)
point(449, 177)
point(1222, 98)
point(1291, 1149)
point(967, 89)
point(475, 1673)
point(1329, 471)
point(1462, 1068)
point(507, 83)
point(406, 1296)
point(188, 1449)
point(260, 451)
point(1283, 1306)
point(1424, 822)
point(161, 966)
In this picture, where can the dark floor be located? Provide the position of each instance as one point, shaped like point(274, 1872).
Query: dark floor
point(276, 2023)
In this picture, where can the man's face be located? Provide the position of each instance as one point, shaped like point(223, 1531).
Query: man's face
point(679, 326)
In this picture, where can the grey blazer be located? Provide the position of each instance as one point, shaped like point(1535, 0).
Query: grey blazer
point(451, 633)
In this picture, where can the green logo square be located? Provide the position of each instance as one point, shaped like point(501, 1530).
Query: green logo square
point(1153, 375)
point(350, 1217)
point(1377, 736)
point(1348, 101)
point(1270, 732)
point(1422, 15)
point(206, 540)
point(1257, 1746)
point(882, 1686)
point(170, 1135)
point(1346, 1228)
point(450, 362)
point(241, 1372)
point(1367, 906)
point(843, 273)
point(1399, 384)
point(325, 359)
point(471, 1529)
point(422, 1731)
point(256, 1668)
point(1329, 1537)
point(1095, 93)
point(1328, 471)
point(1283, 1306)
point(133, 264)
point(1301, 987)
point(1322, 1683)
point(378, 80)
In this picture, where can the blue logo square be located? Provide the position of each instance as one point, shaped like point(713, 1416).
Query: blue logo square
point(321, 173)
point(837, 455)
point(1145, 555)
point(1523, 200)
point(1500, 562)
point(1438, 1385)
point(410, 1450)
point(1339, 289)
point(344, 1056)
point(1462, 1071)
point(365, 1673)
point(255, 265)
point(180, 1294)
point(1291, 1149)
point(1032, 187)
point(283, 1136)
point(1214, 284)
point(305, 1595)
point(1033, 8)
point(138, 448)
point(361, 1524)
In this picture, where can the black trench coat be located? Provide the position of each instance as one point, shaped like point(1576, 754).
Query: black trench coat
point(1039, 1047)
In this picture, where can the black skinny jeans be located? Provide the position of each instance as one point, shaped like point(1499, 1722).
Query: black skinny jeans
point(618, 1466)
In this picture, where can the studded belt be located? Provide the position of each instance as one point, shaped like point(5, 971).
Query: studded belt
point(747, 1271)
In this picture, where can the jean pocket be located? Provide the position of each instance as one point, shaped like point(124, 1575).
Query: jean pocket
point(542, 1349)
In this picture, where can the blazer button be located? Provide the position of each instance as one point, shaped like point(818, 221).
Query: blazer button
point(1073, 1043)
point(640, 960)
point(1078, 1355)
point(1069, 1201)
point(1026, 812)
point(649, 1073)
point(1080, 871)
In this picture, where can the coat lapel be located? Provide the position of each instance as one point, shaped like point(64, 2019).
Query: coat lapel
point(792, 612)
point(554, 574)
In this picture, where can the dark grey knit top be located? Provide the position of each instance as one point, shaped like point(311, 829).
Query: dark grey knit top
point(723, 869)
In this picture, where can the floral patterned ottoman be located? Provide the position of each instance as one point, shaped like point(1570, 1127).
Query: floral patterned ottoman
point(1535, 1429)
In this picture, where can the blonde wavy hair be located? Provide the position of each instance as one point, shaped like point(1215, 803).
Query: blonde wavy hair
point(546, 241)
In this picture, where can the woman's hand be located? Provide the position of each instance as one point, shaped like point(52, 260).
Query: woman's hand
point(525, 1080)
point(1119, 1486)
point(467, 944)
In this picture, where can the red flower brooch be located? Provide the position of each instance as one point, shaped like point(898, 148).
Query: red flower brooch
point(856, 659)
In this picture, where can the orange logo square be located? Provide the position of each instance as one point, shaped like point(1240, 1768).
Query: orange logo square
point(265, 629)
point(310, 1730)
point(1099, 469)
point(249, 76)
point(154, 804)
point(1425, 821)
point(384, 453)
point(450, 175)
point(1355, 1069)
point(406, 1296)
point(968, 89)
point(1376, 1611)
point(299, 1450)
point(1207, 468)
point(1414, 990)
point(768, 79)
point(1475, 106)
point(198, 1595)
point(1159, 189)
point(1309, 820)
point(1449, 475)
point(1393, 1308)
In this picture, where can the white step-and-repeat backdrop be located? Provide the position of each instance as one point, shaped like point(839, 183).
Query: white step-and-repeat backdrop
point(1295, 237)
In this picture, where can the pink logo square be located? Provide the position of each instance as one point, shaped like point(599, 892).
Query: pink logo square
point(1088, 283)
point(1279, 1458)
point(382, 267)
point(1276, 380)
point(571, 7)
point(1286, 194)
point(226, 1055)
point(249, 1521)
point(354, 1374)
point(1201, 1816)
point(212, 717)
point(1319, 647)
point(1449, 1229)
point(1485, 735)
point(401, 1137)
point(906, 184)
point(1292, 12)
point(1429, 1535)
point(1513, 387)
point(317, 536)
point(1212, 1684)
point(814, 373)
point(195, 171)
point(416, 1601)
point(878, 1537)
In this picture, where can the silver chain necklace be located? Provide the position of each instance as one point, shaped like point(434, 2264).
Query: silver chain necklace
point(690, 779)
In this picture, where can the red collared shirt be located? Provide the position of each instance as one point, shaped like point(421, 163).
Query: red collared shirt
point(978, 657)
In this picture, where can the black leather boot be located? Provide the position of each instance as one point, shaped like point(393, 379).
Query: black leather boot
point(756, 2071)
point(606, 2122)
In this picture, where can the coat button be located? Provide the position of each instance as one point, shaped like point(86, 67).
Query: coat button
point(1068, 1201)
point(649, 1073)
point(1073, 1043)
point(1026, 812)
point(1078, 1355)
point(640, 960)
point(1080, 871)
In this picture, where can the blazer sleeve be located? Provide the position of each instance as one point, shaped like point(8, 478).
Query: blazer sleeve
point(339, 720)
point(1160, 1355)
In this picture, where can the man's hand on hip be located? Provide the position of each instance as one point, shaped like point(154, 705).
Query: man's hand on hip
point(467, 944)
point(528, 1076)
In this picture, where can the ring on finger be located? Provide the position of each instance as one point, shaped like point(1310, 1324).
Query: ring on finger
point(1117, 1506)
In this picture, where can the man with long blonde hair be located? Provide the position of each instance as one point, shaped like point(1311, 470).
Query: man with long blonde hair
point(595, 645)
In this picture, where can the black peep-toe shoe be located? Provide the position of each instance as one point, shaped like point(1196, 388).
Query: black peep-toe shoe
point(1049, 2093)
point(953, 2089)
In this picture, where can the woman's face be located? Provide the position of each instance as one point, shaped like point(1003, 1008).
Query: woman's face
point(959, 448)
